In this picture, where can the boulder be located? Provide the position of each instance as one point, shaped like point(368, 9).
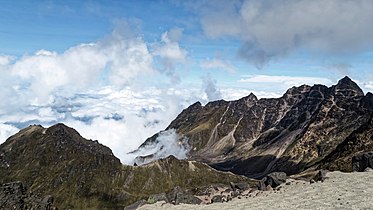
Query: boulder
point(187, 199)
point(274, 179)
point(240, 186)
point(320, 176)
point(177, 196)
point(362, 161)
point(261, 185)
point(217, 199)
point(368, 170)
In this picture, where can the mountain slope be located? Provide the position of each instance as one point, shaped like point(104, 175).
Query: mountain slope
point(83, 174)
point(255, 137)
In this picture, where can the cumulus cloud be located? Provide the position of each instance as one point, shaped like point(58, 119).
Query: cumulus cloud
point(271, 29)
point(120, 56)
point(218, 64)
point(209, 87)
point(169, 53)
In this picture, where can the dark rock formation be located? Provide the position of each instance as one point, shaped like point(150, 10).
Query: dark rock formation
point(359, 141)
point(309, 126)
point(320, 176)
point(217, 199)
point(362, 161)
point(15, 195)
point(83, 174)
point(240, 186)
point(274, 179)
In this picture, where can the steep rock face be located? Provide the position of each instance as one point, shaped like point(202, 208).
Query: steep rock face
point(361, 140)
point(255, 137)
point(83, 174)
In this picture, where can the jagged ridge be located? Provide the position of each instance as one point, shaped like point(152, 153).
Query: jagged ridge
point(291, 133)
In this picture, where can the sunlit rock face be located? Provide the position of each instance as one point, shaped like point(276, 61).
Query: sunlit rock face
point(296, 131)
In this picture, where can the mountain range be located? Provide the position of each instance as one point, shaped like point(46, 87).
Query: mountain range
point(308, 128)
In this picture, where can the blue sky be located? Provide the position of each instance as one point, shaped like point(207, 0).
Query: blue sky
point(27, 27)
point(80, 62)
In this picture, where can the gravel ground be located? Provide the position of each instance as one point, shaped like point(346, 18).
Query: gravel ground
point(338, 191)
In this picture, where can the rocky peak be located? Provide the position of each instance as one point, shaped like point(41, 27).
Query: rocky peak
point(245, 102)
point(368, 101)
point(196, 105)
point(295, 93)
point(346, 81)
point(255, 137)
point(348, 88)
point(216, 103)
point(62, 131)
point(250, 97)
point(297, 90)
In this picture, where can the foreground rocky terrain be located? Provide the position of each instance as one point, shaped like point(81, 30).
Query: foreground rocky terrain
point(308, 127)
point(56, 167)
point(338, 191)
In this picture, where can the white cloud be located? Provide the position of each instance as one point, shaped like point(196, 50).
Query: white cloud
point(119, 59)
point(230, 94)
point(170, 53)
point(121, 118)
point(6, 131)
point(209, 87)
point(167, 143)
point(218, 64)
point(5, 60)
point(120, 56)
point(366, 86)
point(287, 81)
point(271, 29)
